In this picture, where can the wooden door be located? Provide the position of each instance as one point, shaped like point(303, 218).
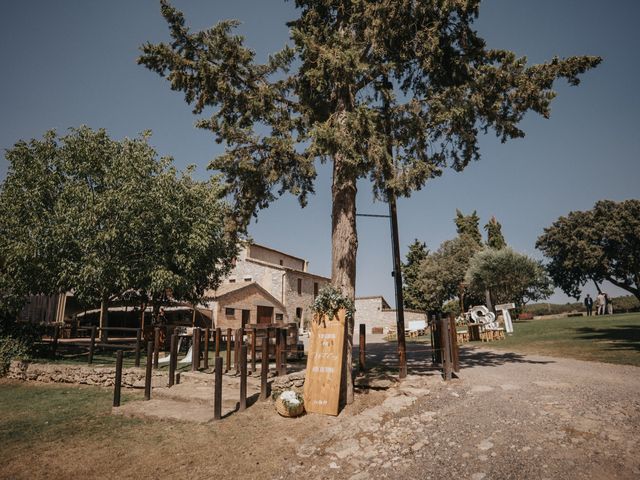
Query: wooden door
point(246, 317)
point(265, 314)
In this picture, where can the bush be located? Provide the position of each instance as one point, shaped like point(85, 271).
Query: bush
point(16, 340)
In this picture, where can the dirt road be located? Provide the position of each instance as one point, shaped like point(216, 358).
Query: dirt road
point(508, 416)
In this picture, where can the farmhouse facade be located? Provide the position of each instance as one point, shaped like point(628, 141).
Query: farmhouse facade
point(285, 277)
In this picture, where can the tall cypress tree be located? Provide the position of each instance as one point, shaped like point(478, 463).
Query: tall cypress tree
point(392, 90)
point(495, 239)
point(413, 294)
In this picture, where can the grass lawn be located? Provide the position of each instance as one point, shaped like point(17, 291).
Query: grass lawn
point(609, 338)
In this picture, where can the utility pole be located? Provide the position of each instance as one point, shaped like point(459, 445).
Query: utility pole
point(395, 244)
point(397, 277)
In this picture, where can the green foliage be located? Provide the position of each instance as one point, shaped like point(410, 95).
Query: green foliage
point(599, 244)
point(468, 225)
point(510, 276)
point(495, 239)
point(361, 77)
point(330, 300)
point(16, 339)
point(627, 303)
point(98, 217)
point(442, 272)
point(412, 293)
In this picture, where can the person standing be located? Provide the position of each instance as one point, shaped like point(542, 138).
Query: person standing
point(600, 304)
point(588, 303)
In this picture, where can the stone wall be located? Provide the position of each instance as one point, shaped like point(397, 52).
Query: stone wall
point(303, 300)
point(276, 258)
point(293, 381)
point(243, 300)
point(81, 374)
point(372, 312)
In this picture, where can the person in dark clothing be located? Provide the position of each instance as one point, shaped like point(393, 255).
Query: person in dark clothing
point(588, 302)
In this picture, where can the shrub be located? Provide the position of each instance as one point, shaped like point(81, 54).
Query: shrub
point(16, 340)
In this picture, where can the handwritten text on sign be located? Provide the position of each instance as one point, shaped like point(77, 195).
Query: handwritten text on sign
point(324, 365)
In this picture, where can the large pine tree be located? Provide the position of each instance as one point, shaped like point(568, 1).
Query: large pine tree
point(392, 90)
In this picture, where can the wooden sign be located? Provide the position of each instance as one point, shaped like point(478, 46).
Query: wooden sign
point(324, 365)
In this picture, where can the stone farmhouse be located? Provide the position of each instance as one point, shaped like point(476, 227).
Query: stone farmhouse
point(379, 317)
point(265, 286)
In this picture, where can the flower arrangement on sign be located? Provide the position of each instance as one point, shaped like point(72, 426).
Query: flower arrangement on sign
point(330, 300)
point(290, 404)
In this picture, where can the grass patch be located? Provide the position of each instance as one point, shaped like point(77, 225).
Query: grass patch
point(41, 413)
point(609, 338)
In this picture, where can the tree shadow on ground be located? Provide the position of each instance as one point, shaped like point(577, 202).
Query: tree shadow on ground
point(472, 357)
point(621, 337)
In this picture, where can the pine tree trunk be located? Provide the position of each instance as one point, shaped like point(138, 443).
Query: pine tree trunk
point(344, 246)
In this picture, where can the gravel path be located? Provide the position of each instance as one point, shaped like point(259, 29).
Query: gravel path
point(508, 416)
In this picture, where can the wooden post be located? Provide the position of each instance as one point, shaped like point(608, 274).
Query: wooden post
point(446, 348)
point(227, 367)
point(265, 367)
point(278, 351)
point(218, 341)
point(283, 351)
point(118, 379)
point(237, 343)
point(173, 360)
point(195, 352)
point(156, 346)
point(54, 344)
point(138, 340)
point(453, 336)
point(217, 389)
point(243, 378)
point(92, 345)
point(254, 331)
point(147, 373)
point(362, 346)
point(206, 349)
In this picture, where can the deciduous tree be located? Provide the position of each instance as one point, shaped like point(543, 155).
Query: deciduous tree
point(598, 244)
point(509, 275)
point(95, 216)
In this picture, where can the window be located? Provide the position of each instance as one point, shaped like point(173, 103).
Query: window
point(315, 289)
point(279, 317)
point(281, 263)
point(299, 286)
point(299, 313)
point(247, 279)
point(230, 312)
point(232, 280)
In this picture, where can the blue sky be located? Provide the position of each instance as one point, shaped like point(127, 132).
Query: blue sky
point(68, 63)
